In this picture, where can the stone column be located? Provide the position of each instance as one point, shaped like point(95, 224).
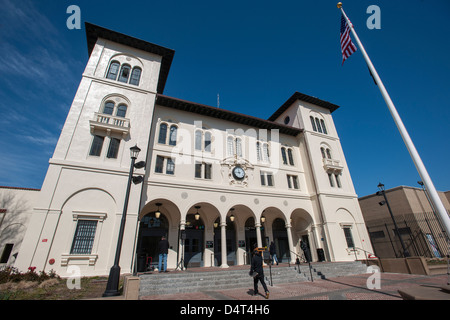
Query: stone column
point(258, 234)
point(181, 243)
point(291, 244)
point(223, 239)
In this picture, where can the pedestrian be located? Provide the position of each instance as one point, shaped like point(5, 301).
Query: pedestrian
point(163, 248)
point(256, 270)
point(306, 251)
point(273, 252)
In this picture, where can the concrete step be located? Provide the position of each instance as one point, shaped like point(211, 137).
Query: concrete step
point(201, 281)
point(338, 269)
point(192, 281)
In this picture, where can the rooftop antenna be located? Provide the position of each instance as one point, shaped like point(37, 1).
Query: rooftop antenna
point(218, 100)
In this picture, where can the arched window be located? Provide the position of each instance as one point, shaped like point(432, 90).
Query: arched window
point(108, 108)
point(162, 133)
point(323, 126)
point(198, 140)
point(173, 136)
point(291, 157)
point(318, 125)
point(208, 141)
point(313, 123)
point(135, 76)
point(258, 151)
point(266, 156)
point(230, 146)
point(124, 73)
point(283, 155)
point(113, 70)
point(122, 111)
point(322, 150)
point(328, 154)
point(239, 147)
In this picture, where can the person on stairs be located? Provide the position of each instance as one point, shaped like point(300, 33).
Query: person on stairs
point(163, 248)
point(273, 253)
point(256, 270)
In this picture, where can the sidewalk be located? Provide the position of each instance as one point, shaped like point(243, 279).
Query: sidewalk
point(340, 288)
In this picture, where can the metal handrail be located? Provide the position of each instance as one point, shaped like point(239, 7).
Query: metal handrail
point(365, 252)
point(309, 263)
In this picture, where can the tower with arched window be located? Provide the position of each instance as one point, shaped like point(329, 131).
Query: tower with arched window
point(84, 189)
point(329, 177)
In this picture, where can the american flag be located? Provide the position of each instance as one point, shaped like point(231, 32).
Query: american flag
point(347, 46)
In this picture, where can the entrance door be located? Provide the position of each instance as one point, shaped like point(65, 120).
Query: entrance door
point(193, 244)
point(281, 240)
point(151, 230)
point(282, 247)
point(193, 248)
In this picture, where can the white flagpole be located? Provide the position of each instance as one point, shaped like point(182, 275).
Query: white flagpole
point(406, 138)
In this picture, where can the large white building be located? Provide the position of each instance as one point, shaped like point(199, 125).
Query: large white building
point(251, 180)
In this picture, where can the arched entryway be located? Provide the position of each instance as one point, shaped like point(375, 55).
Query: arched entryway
point(156, 219)
point(151, 228)
point(303, 231)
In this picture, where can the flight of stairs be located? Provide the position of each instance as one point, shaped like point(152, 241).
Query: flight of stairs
point(205, 280)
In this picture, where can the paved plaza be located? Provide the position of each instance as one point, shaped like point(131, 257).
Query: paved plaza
point(353, 287)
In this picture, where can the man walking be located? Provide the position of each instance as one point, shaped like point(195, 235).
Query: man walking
point(163, 248)
point(256, 270)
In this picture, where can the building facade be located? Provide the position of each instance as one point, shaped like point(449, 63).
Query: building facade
point(415, 218)
point(16, 206)
point(216, 183)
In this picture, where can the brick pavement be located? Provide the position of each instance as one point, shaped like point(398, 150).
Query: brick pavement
point(340, 288)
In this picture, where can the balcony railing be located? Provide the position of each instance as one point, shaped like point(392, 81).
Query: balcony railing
point(110, 123)
point(332, 165)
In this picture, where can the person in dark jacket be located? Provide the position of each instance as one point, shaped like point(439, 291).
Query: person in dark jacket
point(306, 251)
point(273, 253)
point(163, 248)
point(256, 270)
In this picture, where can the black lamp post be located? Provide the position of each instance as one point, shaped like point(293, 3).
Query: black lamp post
point(112, 287)
point(383, 193)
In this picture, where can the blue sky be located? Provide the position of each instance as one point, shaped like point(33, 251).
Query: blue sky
point(255, 54)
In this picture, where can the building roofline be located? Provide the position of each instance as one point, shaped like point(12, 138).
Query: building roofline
point(224, 115)
point(19, 188)
point(93, 32)
point(303, 97)
point(401, 187)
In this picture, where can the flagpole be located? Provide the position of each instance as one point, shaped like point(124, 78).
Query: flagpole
point(405, 136)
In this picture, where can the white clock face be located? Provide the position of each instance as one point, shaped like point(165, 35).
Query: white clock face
point(239, 173)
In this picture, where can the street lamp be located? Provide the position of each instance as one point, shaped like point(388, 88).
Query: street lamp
point(197, 215)
point(383, 193)
point(112, 287)
point(158, 213)
point(232, 216)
